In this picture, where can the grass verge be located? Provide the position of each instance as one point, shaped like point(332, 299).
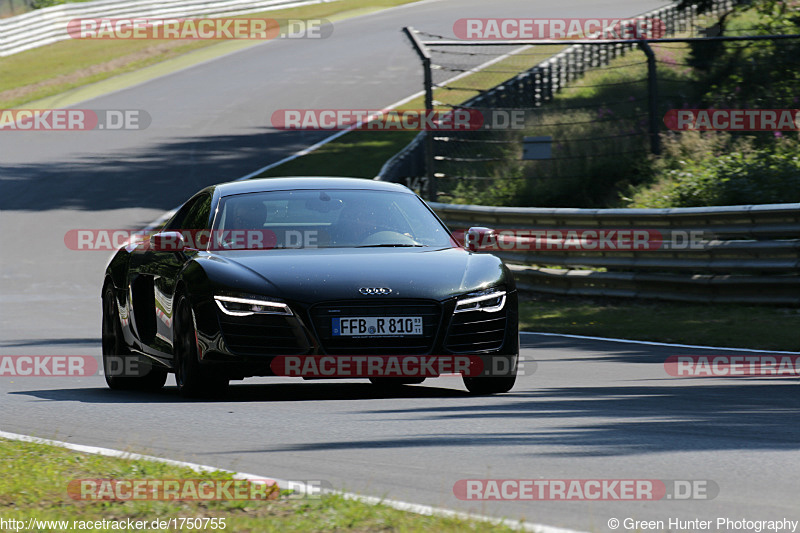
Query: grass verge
point(736, 326)
point(59, 67)
point(34, 479)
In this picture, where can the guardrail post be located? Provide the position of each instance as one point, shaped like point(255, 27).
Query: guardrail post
point(425, 56)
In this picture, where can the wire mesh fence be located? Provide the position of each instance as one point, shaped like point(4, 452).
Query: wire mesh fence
point(591, 124)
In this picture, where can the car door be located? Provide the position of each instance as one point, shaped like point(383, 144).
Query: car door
point(154, 274)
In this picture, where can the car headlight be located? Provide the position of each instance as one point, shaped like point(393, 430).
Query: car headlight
point(490, 301)
point(235, 306)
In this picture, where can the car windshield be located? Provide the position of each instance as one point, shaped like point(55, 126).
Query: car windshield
point(332, 218)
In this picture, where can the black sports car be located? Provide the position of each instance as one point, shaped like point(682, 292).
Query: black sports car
point(249, 272)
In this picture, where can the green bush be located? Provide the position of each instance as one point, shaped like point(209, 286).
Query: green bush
point(701, 169)
point(755, 74)
point(503, 189)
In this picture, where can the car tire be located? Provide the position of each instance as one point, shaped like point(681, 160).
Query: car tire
point(113, 346)
point(492, 384)
point(484, 386)
point(192, 380)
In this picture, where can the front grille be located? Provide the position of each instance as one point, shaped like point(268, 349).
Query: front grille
point(476, 331)
point(262, 335)
point(322, 315)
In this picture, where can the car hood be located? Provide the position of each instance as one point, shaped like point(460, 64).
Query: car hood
point(314, 275)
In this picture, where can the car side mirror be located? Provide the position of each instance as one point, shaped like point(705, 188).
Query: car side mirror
point(168, 241)
point(479, 237)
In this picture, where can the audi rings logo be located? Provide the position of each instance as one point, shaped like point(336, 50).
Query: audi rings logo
point(375, 290)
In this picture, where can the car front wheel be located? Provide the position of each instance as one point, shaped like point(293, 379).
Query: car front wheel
point(482, 385)
point(191, 378)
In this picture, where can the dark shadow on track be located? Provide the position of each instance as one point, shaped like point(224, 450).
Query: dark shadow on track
point(655, 419)
point(171, 171)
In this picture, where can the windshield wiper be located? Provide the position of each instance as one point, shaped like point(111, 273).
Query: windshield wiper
point(395, 245)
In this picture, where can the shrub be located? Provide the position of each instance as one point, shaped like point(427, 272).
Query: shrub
point(700, 169)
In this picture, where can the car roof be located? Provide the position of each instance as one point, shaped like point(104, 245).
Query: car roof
point(306, 183)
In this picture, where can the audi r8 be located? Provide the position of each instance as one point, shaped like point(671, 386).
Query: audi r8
point(250, 271)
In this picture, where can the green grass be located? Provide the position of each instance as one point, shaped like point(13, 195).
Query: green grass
point(358, 154)
point(59, 67)
point(737, 326)
point(34, 479)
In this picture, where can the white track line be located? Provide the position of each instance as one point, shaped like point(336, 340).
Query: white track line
point(653, 343)
point(286, 485)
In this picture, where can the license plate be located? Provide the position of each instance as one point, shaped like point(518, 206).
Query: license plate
point(376, 326)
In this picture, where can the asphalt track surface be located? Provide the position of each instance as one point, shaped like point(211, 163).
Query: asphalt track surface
point(584, 408)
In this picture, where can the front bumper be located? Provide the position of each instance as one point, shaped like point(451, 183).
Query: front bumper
point(246, 346)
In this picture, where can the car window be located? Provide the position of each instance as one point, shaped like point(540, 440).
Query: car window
point(198, 215)
point(334, 218)
point(182, 217)
point(177, 219)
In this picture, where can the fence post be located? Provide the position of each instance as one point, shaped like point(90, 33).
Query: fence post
point(652, 95)
point(425, 56)
point(547, 82)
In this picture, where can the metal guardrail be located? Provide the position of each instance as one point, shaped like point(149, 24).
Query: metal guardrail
point(49, 25)
point(749, 254)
